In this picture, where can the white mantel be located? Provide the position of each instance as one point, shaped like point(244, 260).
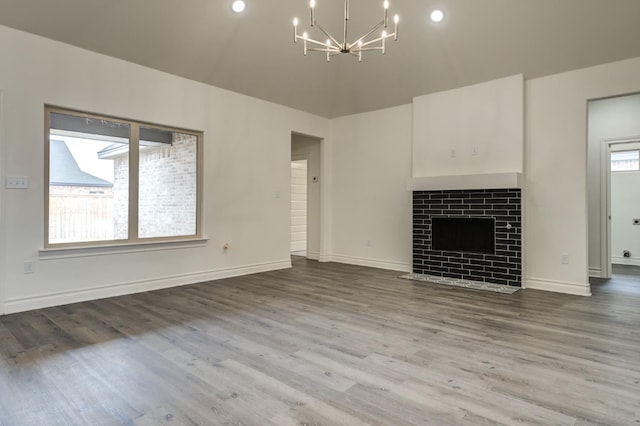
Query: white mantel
point(475, 181)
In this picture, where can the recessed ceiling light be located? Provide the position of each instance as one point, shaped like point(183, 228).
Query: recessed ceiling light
point(436, 16)
point(238, 6)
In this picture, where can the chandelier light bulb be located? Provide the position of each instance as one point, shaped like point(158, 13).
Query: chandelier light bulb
point(396, 19)
point(328, 42)
point(295, 22)
point(436, 16)
point(238, 6)
point(385, 5)
point(312, 4)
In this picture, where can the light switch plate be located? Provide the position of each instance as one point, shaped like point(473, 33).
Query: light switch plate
point(17, 182)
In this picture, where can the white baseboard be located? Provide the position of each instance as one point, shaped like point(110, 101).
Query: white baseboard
point(313, 255)
point(595, 272)
point(372, 263)
point(557, 286)
point(82, 295)
point(625, 261)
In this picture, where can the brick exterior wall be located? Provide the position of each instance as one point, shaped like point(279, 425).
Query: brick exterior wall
point(121, 197)
point(167, 189)
point(504, 205)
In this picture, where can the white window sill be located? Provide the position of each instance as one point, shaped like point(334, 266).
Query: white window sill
point(70, 252)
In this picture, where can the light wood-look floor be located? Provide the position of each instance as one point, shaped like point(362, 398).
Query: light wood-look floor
point(326, 344)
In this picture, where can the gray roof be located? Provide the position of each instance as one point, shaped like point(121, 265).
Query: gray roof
point(64, 170)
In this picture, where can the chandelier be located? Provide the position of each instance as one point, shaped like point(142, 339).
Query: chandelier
point(333, 47)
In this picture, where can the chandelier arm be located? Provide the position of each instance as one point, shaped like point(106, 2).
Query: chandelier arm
point(332, 50)
point(375, 40)
point(328, 35)
point(381, 23)
point(366, 49)
point(310, 40)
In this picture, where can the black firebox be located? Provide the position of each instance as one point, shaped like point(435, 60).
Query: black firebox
point(463, 234)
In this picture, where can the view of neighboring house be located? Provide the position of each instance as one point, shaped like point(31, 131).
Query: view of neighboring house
point(80, 204)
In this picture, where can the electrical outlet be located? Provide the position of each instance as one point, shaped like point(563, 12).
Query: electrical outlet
point(453, 153)
point(29, 267)
point(475, 151)
point(369, 244)
point(564, 258)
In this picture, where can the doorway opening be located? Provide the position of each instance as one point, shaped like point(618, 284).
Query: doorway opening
point(614, 191)
point(620, 205)
point(306, 196)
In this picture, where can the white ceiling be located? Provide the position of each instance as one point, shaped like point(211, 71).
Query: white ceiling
point(253, 53)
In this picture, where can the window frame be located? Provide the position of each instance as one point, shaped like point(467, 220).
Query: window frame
point(133, 201)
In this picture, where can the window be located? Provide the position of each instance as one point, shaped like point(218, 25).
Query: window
point(625, 161)
point(116, 181)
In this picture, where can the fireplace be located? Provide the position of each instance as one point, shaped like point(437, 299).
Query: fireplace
point(468, 234)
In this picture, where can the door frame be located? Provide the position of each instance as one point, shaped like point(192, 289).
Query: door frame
point(324, 201)
point(3, 258)
point(605, 199)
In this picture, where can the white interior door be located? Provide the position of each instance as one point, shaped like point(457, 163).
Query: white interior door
point(299, 207)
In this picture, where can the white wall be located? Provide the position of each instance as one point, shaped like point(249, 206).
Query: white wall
point(246, 174)
point(370, 165)
point(609, 119)
point(555, 201)
point(308, 147)
point(625, 206)
point(555, 175)
point(247, 153)
point(476, 129)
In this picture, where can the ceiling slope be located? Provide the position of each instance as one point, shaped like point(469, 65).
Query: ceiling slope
point(253, 53)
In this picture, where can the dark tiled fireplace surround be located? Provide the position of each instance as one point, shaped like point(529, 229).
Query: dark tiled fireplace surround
point(504, 205)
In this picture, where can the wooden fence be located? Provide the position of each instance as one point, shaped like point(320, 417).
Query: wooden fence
point(74, 218)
